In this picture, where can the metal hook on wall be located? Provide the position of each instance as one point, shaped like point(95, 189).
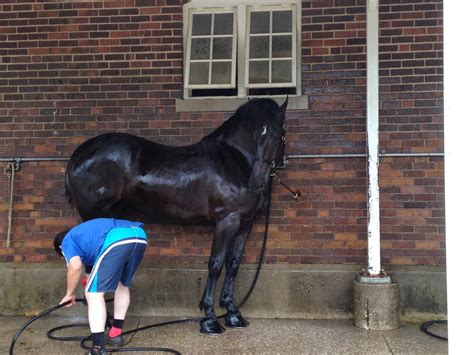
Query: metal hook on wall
point(12, 167)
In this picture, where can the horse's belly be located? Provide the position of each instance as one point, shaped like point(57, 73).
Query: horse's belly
point(172, 207)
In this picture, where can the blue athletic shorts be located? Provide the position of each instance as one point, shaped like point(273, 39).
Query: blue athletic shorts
point(118, 259)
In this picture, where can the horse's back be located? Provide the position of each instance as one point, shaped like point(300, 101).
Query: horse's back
point(106, 146)
point(120, 174)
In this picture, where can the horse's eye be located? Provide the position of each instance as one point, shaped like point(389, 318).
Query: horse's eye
point(264, 130)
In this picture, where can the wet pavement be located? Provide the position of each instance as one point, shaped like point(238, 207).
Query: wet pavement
point(263, 336)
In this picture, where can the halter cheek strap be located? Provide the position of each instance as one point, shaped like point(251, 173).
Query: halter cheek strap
point(272, 162)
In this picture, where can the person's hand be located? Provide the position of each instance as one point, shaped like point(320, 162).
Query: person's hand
point(71, 298)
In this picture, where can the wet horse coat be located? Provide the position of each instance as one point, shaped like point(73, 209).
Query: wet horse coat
point(221, 180)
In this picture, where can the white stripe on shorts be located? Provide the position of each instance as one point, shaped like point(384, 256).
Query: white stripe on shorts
point(97, 263)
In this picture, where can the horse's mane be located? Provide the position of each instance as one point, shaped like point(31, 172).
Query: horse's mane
point(253, 114)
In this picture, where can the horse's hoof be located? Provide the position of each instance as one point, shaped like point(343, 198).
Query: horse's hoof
point(211, 327)
point(235, 320)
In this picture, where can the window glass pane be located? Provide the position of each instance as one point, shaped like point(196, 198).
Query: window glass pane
point(260, 22)
point(221, 72)
point(201, 24)
point(222, 48)
point(223, 24)
point(200, 48)
point(281, 71)
point(281, 46)
point(258, 72)
point(259, 47)
point(198, 73)
point(282, 21)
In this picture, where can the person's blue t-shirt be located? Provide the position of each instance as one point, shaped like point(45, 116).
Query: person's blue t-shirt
point(86, 239)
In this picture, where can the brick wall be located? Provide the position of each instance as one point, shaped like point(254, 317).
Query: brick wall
point(411, 119)
point(71, 70)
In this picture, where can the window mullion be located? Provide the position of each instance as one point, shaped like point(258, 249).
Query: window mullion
point(188, 18)
point(211, 44)
point(270, 43)
point(297, 49)
point(242, 48)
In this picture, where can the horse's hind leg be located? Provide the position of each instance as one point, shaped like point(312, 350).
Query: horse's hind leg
point(233, 318)
point(95, 190)
point(224, 233)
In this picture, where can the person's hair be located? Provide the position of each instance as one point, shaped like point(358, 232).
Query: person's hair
point(58, 241)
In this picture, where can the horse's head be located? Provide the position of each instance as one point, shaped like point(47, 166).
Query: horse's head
point(269, 134)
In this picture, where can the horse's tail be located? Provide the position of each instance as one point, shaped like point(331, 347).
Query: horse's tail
point(68, 196)
point(67, 193)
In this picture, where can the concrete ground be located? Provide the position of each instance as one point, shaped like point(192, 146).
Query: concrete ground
point(263, 336)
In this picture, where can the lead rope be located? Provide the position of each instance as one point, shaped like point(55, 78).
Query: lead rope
point(296, 194)
point(264, 245)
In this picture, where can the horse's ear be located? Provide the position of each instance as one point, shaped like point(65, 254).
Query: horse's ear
point(281, 114)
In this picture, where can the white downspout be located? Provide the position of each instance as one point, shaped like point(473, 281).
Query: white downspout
point(373, 207)
point(11, 168)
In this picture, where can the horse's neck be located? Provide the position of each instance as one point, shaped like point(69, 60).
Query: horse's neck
point(238, 140)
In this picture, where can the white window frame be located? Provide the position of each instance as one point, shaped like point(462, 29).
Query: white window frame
point(293, 33)
point(211, 36)
point(242, 9)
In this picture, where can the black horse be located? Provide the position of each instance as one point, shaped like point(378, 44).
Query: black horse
point(222, 180)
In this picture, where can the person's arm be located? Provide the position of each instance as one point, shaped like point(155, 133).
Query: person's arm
point(74, 272)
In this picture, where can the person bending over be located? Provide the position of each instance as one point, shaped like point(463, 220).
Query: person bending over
point(114, 248)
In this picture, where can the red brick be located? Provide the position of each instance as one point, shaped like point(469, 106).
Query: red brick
point(118, 66)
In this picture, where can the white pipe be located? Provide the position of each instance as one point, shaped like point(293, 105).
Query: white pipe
point(361, 155)
point(373, 206)
point(411, 154)
point(313, 156)
point(11, 168)
point(19, 160)
point(290, 156)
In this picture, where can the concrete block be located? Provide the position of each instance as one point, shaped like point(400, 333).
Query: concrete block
point(282, 291)
point(377, 305)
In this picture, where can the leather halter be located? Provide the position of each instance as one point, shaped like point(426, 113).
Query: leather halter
point(272, 162)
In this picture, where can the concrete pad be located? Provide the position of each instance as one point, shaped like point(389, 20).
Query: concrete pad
point(263, 336)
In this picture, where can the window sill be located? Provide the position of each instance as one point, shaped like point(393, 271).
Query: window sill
point(223, 104)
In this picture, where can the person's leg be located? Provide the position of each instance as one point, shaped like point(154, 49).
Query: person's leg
point(105, 277)
point(84, 279)
point(121, 303)
point(97, 315)
point(122, 293)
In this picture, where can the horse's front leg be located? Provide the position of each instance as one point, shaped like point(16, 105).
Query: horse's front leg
point(233, 318)
point(223, 235)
